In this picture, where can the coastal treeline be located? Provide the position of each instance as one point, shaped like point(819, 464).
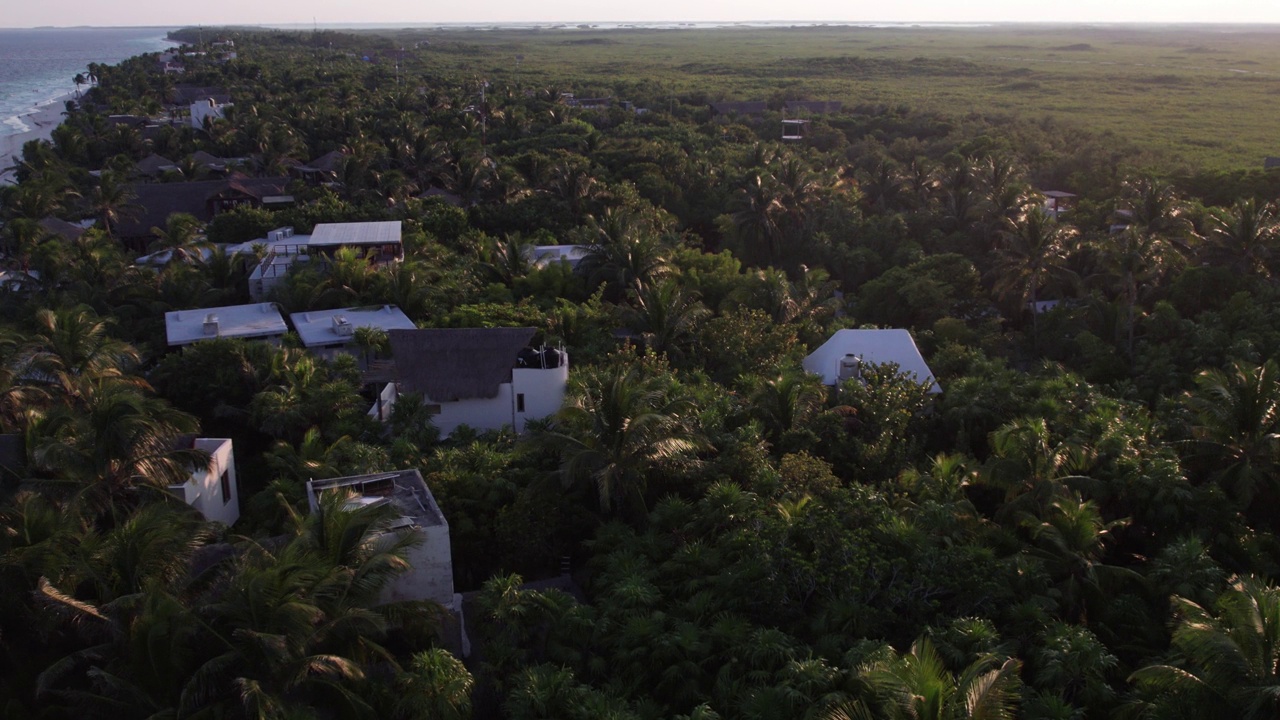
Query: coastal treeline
point(1081, 524)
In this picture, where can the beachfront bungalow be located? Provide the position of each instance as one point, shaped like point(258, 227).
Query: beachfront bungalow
point(329, 332)
point(848, 352)
point(258, 321)
point(213, 489)
point(484, 378)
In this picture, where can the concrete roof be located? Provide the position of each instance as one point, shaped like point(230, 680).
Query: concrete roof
point(258, 320)
point(317, 328)
point(872, 346)
point(358, 233)
point(405, 490)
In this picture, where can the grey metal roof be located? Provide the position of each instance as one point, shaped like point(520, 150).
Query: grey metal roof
point(358, 233)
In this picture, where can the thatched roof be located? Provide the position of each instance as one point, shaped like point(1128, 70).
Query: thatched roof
point(155, 202)
point(450, 364)
point(63, 229)
point(329, 162)
point(154, 164)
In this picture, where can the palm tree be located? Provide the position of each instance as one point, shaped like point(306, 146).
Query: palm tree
point(1225, 660)
point(436, 686)
point(617, 427)
point(1071, 543)
point(1033, 250)
point(119, 446)
point(918, 686)
point(786, 400)
point(111, 200)
point(72, 350)
point(1244, 237)
point(509, 259)
point(666, 316)
point(627, 251)
point(1030, 468)
point(181, 238)
point(1237, 414)
point(758, 218)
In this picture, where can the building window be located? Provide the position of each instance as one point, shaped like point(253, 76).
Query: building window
point(225, 482)
point(519, 402)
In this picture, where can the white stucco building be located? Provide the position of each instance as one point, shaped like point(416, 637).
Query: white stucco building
point(329, 332)
point(213, 490)
point(430, 576)
point(208, 109)
point(843, 356)
point(258, 321)
point(485, 378)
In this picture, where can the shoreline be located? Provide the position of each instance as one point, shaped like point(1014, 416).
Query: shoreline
point(41, 120)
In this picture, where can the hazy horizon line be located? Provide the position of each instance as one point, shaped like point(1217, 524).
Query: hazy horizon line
point(625, 24)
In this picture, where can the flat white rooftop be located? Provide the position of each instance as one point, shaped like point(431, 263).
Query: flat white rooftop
point(259, 320)
point(358, 233)
point(319, 328)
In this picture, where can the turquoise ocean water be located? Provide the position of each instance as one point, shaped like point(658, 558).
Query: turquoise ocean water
point(37, 66)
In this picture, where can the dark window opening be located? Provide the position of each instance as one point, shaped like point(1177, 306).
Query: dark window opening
point(519, 402)
point(225, 482)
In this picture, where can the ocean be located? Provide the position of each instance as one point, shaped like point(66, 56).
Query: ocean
point(37, 66)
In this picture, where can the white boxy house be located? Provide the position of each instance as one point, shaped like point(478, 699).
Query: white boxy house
point(330, 332)
point(485, 378)
point(414, 510)
point(259, 321)
point(212, 490)
point(842, 357)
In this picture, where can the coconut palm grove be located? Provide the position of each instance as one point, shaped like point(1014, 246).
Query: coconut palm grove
point(1081, 524)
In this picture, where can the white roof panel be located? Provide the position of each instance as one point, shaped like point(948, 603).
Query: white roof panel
point(873, 346)
point(316, 327)
point(258, 320)
point(358, 233)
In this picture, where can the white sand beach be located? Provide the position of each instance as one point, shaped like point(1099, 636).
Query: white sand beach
point(41, 121)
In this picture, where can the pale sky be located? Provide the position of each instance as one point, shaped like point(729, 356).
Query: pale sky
point(28, 13)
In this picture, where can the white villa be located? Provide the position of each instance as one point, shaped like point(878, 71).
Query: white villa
point(329, 332)
point(431, 574)
point(381, 240)
point(207, 109)
point(213, 490)
point(842, 357)
point(485, 378)
point(257, 321)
